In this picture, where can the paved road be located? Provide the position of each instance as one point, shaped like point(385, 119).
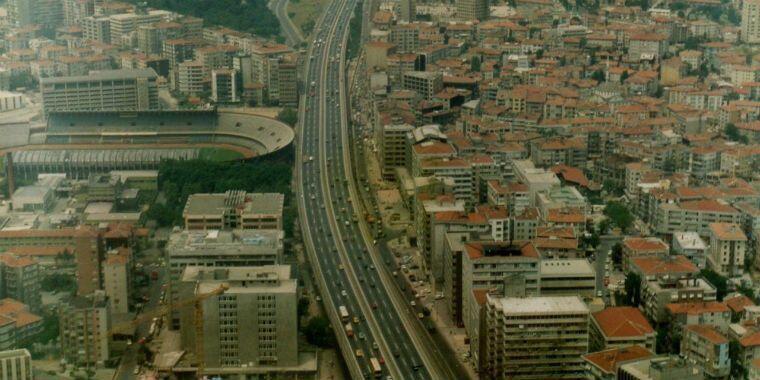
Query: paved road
point(602, 250)
point(337, 246)
point(291, 32)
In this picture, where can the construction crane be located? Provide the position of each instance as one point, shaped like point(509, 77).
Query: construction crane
point(196, 302)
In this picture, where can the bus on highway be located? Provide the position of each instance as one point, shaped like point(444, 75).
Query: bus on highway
point(343, 313)
point(376, 370)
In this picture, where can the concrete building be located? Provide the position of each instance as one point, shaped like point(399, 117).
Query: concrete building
point(425, 83)
point(457, 170)
point(96, 29)
point(707, 348)
point(190, 78)
point(425, 209)
point(234, 209)
point(224, 86)
point(728, 245)
point(123, 24)
point(693, 216)
point(394, 148)
point(20, 279)
point(567, 277)
point(114, 90)
point(117, 279)
point(10, 101)
point(33, 199)
point(84, 324)
point(691, 245)
point(659, 368)
point(618, 327)
point(469, 10)
point(750, 23)
point(254, 322)
point(16, 365)
point(45, 13)
point(603, 365)
point(558, 338)
point(711, 313)
point(642, 247)
point(485, 265)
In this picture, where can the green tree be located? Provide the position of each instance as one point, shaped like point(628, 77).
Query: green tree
point(617, 254)
point(619, 215)
point(632, 289)
point(475, 63)
point(719, 282)
point(732, 133)
point(598, 76)
point(734, 355)
point(319, 333)
point(624, 76)
point(288, 116)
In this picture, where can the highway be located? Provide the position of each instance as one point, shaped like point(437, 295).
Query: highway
point(336, 242)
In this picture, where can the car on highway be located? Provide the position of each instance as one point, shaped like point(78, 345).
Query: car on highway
point(344, 293)
point(136, 371)
point(362, 336)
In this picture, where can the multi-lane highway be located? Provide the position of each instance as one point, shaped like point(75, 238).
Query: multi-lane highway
point(337, 243)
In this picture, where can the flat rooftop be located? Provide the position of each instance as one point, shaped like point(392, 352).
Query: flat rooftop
point(567, 268)
point(103, 75)
point(539, 305)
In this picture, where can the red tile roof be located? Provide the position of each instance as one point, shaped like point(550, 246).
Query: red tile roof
point(622, 322)
point(654, 265)
point(708, 332)
point(738, 303)
point(639, 244)
point(695, 308)
point(608, 360)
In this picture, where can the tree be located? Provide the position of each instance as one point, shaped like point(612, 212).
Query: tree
point(624, 76)
point(719, 282)
point(319, 333)
point(288, 116)
point(734, 355)
point(632, 290)
point(598, 76)
point(619, 215)
point(617, 254)
point(732, 133)
point(668, 340)
point(475, 63)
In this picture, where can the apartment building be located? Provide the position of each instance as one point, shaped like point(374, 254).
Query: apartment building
point(659, 367)
point(178, 50)
point(642, 247)
point(618, 327)
point(426, 84)
point(486, 265)
point(84, 324)
point(109, 90)
point(215, 57)
point(406, 37)
point(728, 245)
point(20, 279)
point(426, 207)
point(394, 148)
point(96, 28)
point(469, 10)
point(443, 223)
point(603, 365)
point(18, 325)
point(711, 313)
point(750, 23)
point(693, 216)
point(234, 209)
point(647, 45)
point(457, 170)
point(123, 24)
point(117, 279)
point(224, 86)
point(567, 277)
point(190, 78)
point(16, 365)
point(534, 338)
point(707, 348)
point(691, 245)
point(253, 323)
point(668, 278)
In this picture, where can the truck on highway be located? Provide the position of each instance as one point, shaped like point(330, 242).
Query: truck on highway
point(343, 313)
point(375, 367)
point(349, 330)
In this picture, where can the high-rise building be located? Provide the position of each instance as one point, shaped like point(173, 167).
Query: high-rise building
point(20, 279)
point(96, 29)
point(126, 23)
point(117, 279)
point(533, 338)
point(190, 78)
point(224, 86)
point(84, 324)
point(75, 10)
point(472, 9)
point(394, 148)
point(109, 90)
point(408, 10)
point(751, 21)
point(425, 83)
point(254, 322)
point(728, 245)
point(46, 13)
point(16, 365)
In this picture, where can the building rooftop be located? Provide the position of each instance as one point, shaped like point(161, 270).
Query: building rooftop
point(689, 240)
point(708, 332)
point(103, 75)
point(622, 322)
point(654, 265)
point(566, 268)
point(539, 305)
point(608, 360)
point(727, 231)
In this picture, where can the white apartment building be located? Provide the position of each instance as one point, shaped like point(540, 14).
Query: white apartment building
point(96, 29)
point(728, 245)
point(190, 78)
point(750, 21)
point(16, 365)
point(691, 245)
point(693, 216)
point(534, 338)
point(84, 324)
